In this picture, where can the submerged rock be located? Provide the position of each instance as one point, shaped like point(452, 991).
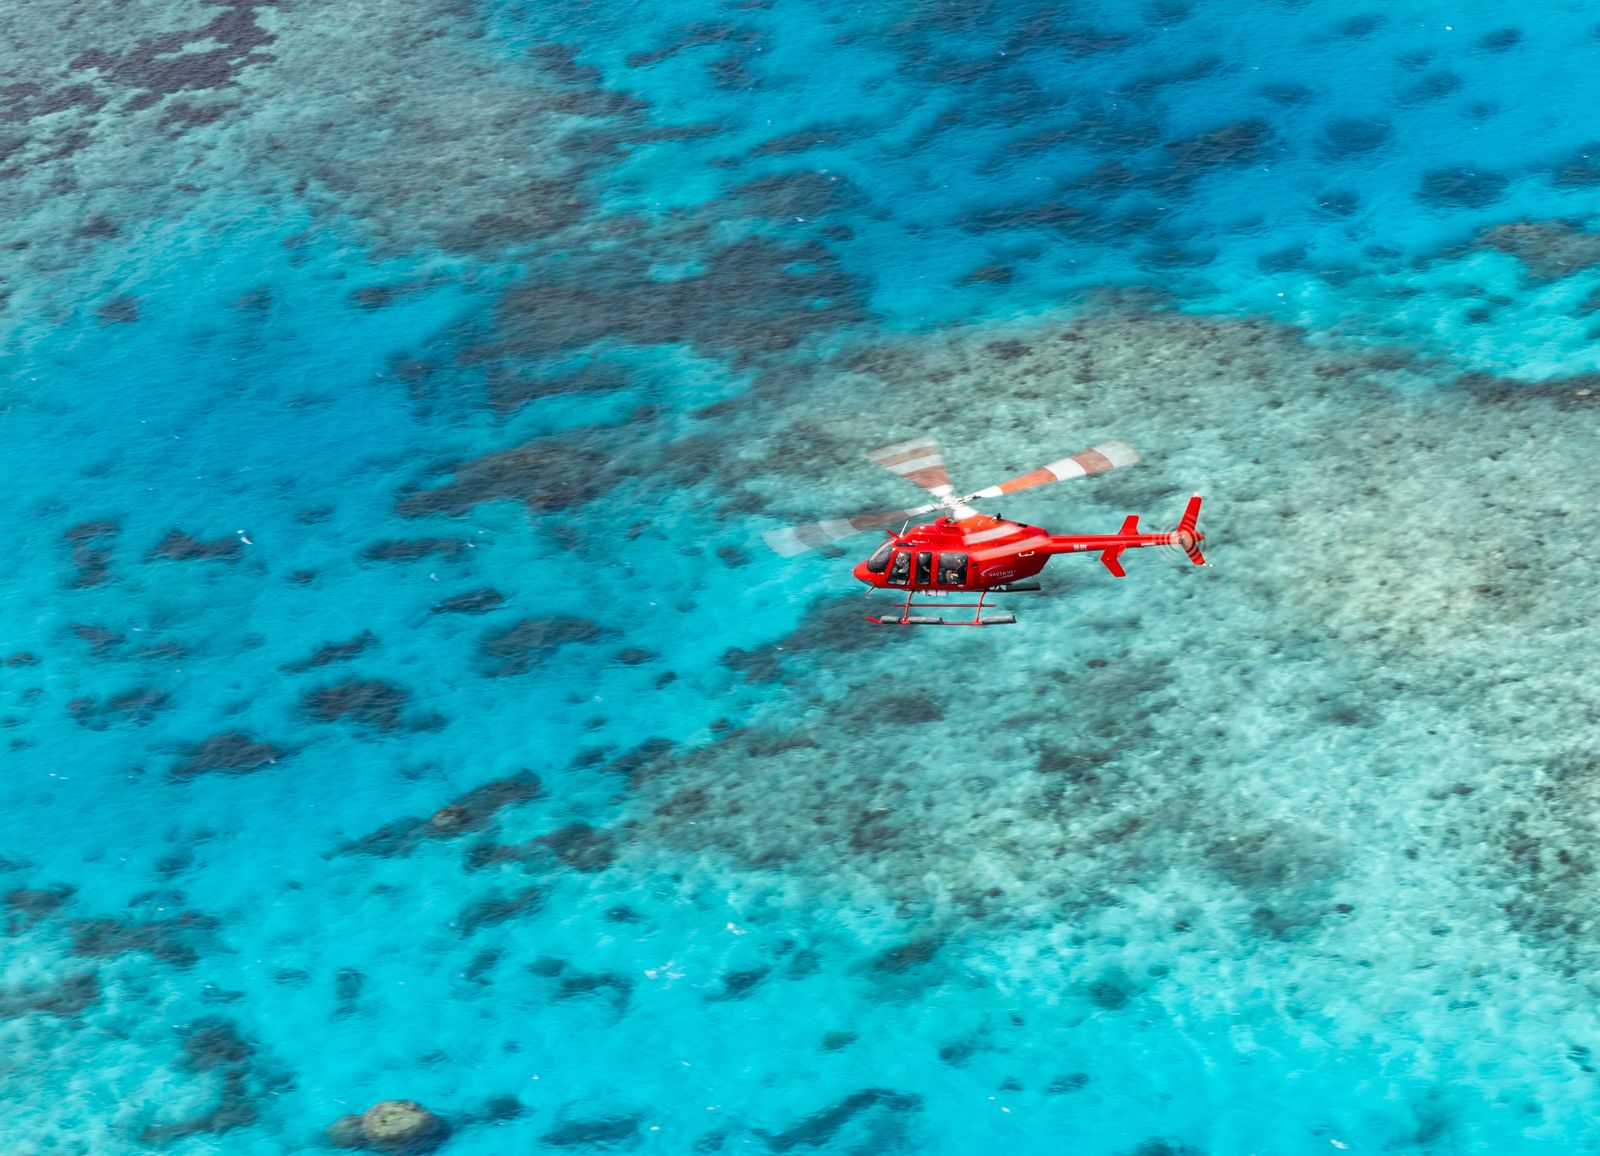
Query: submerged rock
point(391, 1126)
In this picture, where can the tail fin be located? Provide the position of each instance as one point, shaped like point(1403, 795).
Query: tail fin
point(1186, 536)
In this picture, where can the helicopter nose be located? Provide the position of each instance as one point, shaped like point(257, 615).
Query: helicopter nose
point(861, 573)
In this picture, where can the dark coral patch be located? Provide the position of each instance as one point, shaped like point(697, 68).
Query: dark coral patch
point(696, 35)
point(605, 1132)
point(1352, 136)
point(121, 310)
point(1581, 169)
point(1161, 1146)
point(413, 549)
point(751, 296)
point(582, 847)
point(180, 547)
point(1548, 249)
point(547, 475)
point(820, 136)
point(213, 1045)
point(605, 986)
point(471, 811)
point(64, 999)
point(91, 544)
point(382, 296)
point(1071, 1082)
point(102, 640)
point(331, 652)
point(520, 647)
point(641, 761)
point(510, 387)
point(367, 702)
point(737, 985)
point(472, 602)
point(189, 60)
point(905, 956)
point(1461, 187)
point(1433, 86)
point(1288, 93)
point(1360, 27)
point(994, 274)
point(28, 905)
point(1500, 40)
point(130, 708)
point(1240, 143)
point(184, 115)
point(168, 940)
point(232, 753)
point(496, 909)
point(821, 1127)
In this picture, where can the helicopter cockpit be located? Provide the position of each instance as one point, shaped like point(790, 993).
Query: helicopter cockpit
point(898, 562)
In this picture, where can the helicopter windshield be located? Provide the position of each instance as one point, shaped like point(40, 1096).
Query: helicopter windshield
point(879, 562)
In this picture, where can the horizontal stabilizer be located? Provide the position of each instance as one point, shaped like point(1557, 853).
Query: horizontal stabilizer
point(1112, 558)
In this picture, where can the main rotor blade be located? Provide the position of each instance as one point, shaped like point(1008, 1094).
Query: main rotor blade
point(798, 539)
point(1108, 456)
point(919, 462)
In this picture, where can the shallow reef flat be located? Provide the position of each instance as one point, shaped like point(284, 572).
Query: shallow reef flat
point(1354, 747)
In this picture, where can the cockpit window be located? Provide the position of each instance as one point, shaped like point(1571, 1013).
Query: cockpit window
point(880, 558)
point(900, 571)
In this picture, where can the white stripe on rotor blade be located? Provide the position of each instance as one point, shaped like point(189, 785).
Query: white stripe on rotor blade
point(785, 542)
point(1118, 454)
point(986, 492)
point(901, 447)
point(1066, 468)
point(912, 465)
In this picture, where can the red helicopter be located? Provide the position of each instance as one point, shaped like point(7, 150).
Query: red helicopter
point(968, 552)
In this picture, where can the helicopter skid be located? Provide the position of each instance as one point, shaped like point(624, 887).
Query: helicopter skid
point(929, 620)
point(906, 617)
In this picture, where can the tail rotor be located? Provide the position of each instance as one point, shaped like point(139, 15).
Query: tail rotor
point(1187, 537)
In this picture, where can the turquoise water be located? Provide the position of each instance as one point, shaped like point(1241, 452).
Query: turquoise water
point(394, 400)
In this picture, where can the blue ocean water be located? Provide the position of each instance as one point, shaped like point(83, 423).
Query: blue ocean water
point(399, 702)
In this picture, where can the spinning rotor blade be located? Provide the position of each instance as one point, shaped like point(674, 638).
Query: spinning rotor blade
point(1107, 456)
point(917, 461)
point(798, 539)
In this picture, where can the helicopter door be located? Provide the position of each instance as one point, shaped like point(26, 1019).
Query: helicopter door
point(952, 569)
point(924, 567)
point(900, 568)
